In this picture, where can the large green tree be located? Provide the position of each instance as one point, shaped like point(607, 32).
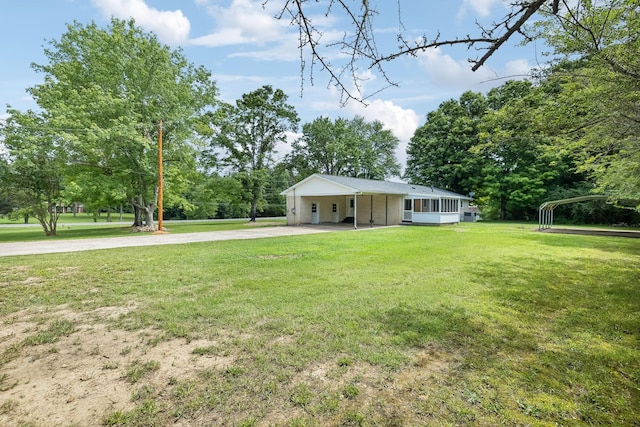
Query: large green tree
point(438, 153)
point(345, 147)
point(597, 113)
point(375, 146)
point(105, 90)
point(36, 164)
point(494, 146)
point(519, 161)
point(249, 133)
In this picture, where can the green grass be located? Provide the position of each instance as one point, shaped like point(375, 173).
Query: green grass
point(69, 218)
point(481, 324)
point(117, 229)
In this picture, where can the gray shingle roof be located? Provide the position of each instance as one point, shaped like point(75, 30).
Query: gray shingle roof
point(370, 186)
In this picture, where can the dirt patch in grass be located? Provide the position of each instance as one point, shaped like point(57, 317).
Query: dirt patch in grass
point(77, 378)
point(61, 367)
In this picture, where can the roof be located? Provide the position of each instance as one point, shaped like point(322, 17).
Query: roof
point(370, 186)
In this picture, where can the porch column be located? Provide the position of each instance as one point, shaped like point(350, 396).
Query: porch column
point(355, 211)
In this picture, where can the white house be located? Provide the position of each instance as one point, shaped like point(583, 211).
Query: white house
point(333, 199)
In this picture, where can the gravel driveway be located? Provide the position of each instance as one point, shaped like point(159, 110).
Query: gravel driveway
point(76, 245)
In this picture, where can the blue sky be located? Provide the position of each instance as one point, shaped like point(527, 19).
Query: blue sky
point(245, 48)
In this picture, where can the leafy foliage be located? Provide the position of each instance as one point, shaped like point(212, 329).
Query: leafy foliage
point(344, 147)
point(105, 91)
point(37, 163)
point(438, 153)
point(598, 91)
point(249, 132)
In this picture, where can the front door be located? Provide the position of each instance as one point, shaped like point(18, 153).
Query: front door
point(350, 207)
point(335, 211)
point(315, 213)
point(407, 215)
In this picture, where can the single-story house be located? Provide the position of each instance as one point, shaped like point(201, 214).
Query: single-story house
point(323, 198)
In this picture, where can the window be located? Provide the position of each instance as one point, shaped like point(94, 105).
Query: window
point(450, 205)
point(334, 208)
point(314, 207)
point(430, 205)
point(407, 204)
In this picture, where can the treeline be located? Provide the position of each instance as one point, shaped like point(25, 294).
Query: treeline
point(109, 95)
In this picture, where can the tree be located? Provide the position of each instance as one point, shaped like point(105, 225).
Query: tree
point(105, 90)
point(374, 156)
point(7, 202)
point(438, 153)
point(249, 133)
point(495, 146)
point(324, 147)
point(345, 147)
point(597, 114)
point(520, 162)
point(36, 168)
point(360, 42)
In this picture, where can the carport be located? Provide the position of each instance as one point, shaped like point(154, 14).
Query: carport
point(545, 211)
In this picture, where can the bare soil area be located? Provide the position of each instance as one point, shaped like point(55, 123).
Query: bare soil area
point(81, 377)
point(92, 370)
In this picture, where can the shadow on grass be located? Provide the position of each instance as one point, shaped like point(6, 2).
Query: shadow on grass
point(604, 243)
point(582, 322)
point(545, 341)
point(418, 326)
point(64, 232)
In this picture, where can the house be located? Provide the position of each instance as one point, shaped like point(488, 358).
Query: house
point(323, 198)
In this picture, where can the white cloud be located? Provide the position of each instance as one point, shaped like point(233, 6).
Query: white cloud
point(252, 23)
point(445, 72)
point(243, 22)
point(482, 8)
point(401, 121)
point(172, 27)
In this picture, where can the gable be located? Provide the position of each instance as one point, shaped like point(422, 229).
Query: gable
point(316, 186)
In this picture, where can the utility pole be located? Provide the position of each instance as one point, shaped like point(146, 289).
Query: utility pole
point(160, 184)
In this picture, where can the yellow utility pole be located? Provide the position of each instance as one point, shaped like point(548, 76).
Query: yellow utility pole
point(160, 184)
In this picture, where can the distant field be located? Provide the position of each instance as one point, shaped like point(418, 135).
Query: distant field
point(476, 324)
point(69, 218)
point(70, 230)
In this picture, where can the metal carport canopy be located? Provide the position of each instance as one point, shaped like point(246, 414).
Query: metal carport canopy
point(545, 211)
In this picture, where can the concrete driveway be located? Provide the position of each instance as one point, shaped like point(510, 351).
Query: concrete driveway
point(76, 245)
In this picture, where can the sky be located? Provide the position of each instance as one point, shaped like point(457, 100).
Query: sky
point(245, 47)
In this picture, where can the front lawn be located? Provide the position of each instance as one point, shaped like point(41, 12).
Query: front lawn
point(476, 324)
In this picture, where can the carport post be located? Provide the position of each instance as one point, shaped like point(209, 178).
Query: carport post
point(371, 215)
point(355, 211)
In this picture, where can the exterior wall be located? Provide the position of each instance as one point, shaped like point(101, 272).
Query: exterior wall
point(386, 209)
point(436, 218)
point(294, 209)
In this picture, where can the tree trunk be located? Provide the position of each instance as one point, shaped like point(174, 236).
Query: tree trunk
point(148, 213)
point(254, 208)
point(109, 214)
point(137, 216)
